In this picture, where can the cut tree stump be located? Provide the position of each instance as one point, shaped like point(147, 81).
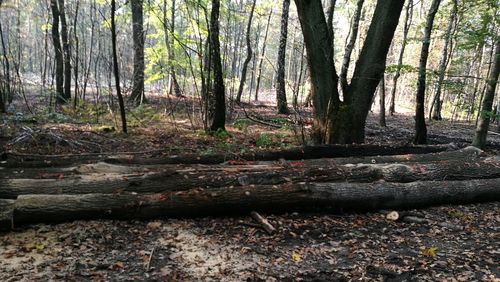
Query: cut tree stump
point(157, 179)
point(231, 200)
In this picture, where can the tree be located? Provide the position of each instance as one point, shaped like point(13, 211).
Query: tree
point(116, 69)
point(67, 52)
point(420, 126)
point(406, 30)
point(262, 55)
point(249, 55)
point(435, 110)
point(280, 80)
point(56, 41)
point(350, 45)
point(137, 96)
point(486, 114)
point(217, 112)
point(344, 121)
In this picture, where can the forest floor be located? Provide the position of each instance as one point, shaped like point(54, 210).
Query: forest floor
point(306, 247)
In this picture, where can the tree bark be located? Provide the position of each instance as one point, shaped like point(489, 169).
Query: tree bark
point(298, 153)
point(436, 106)
point(350, 45)
point(382, 102)
point(6, 214)
point(158, 179)
point(262, 55)
point(280, 76)
point(67, 52)
point(287, 197)
point(484, 122)
point(116, 69)
point(336, 121)
point(59, 61)
point(218, 111)
point(249, 54)
point(420, 126)
point(137, 96)
point(406, 29)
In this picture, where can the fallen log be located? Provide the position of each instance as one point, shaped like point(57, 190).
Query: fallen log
point(160, 179)
point(6, 214)
point(467, 154)
point(265, 198)
point(299, 153)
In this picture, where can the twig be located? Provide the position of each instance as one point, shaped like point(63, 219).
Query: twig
point(150, 257)
point(263, 222)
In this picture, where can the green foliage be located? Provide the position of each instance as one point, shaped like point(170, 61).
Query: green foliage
point(264, 140)
point(402, 68)
point(241, 124)
point(221, 134)
point(143, 114)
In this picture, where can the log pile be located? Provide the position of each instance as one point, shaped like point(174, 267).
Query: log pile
point(143, 191)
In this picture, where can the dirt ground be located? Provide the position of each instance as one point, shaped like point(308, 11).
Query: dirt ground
point(452, 243)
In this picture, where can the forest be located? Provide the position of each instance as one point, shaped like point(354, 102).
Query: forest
point(249, 140)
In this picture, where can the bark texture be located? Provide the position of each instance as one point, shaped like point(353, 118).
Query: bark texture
point(137, 96)
point(280, 76)
point(420, 126)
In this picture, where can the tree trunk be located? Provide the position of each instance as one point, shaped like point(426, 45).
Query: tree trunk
point(59, 61)
point(218, 111)
point(435, 110)
point(67, 52)
point(249, 54)
point(108, 179)
point(484, 122)
point(406, 29)
point(262, 55)
point(137, 96)
point(382, 102)
point(287, 197)
point(280, 76)
point(298, 153)
point(116, 69)
point(350, 45)
point(420, 126)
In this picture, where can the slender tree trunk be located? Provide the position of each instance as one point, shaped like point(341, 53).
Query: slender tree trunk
point(116, 69)
point(435, 110)
point(262, 55)
point(6, 91)
point(420, 126)
point(137, 96)
point(280, 81)
point(59, 61)
point(406, 29)
point(77, 59)
point(218, 112)
point(249, 54)
point(350, 45)
point(67, 52)
point(484, 122)
point(174, 87)
point(382, 102)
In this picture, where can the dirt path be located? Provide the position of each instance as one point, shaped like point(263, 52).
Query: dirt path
point(307, 247)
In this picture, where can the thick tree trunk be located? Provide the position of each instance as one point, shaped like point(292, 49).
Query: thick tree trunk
point(59, 62)
point(420, 126)
point(280, 81)
point(137, 96)
point(484, 122)
point(67, 52)
point(109, 179)
point(218, 111)
point(288, 197)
